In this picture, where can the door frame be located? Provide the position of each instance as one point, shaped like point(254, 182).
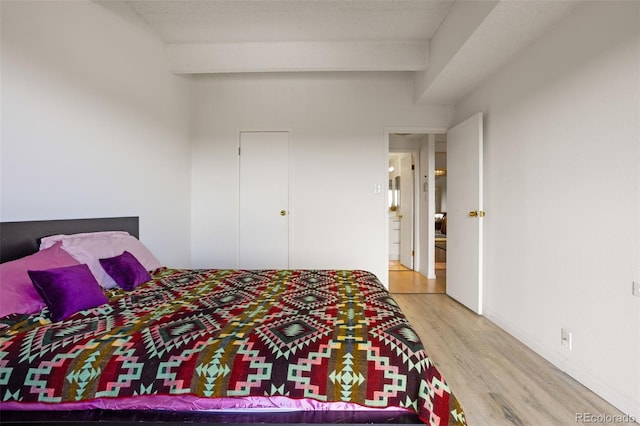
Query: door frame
point(388, 131)
point(238, 134)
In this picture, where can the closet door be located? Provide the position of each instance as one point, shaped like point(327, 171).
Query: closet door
point(264, 200)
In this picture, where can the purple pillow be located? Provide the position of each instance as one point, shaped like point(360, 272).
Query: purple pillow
point(125, 270)
point(68, 290)
point(17, 294)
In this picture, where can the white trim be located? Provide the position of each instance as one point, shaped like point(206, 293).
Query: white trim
point(481, 242)
point(431, 205)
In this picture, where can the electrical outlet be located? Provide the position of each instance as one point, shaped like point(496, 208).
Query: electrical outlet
point(636, 289)
point(565, 338)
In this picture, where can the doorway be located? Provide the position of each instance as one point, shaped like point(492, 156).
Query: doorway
point(416, 233)
point(402, 209)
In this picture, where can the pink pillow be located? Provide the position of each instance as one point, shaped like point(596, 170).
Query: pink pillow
point(90, 247)
point(17, 292)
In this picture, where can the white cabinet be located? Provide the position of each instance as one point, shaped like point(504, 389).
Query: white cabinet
point(394, 238)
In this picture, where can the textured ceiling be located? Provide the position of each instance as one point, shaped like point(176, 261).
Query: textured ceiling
point(451, 45)
point(230, 21)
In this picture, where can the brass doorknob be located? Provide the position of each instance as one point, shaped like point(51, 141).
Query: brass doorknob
point(283, 212)
point(476, 213)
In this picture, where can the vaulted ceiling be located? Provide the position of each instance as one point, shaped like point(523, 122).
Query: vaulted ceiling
point(450, 45)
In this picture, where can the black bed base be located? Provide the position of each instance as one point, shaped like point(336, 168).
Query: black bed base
point(18, 239)
point(167, 418)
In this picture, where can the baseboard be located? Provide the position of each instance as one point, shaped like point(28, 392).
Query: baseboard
point(621, 402)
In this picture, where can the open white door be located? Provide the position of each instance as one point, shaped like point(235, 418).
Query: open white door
point(465, 212)
point(406, 210)
point(264, 200)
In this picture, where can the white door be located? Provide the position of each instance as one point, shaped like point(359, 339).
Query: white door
point(264, 200)
point(406, 210)
point(465, 212)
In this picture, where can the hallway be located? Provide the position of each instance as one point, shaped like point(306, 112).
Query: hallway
point(405, 281)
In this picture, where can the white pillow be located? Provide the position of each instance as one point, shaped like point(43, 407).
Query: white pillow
point(90, 247)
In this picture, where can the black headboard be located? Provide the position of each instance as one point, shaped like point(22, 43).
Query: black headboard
point(20, 239)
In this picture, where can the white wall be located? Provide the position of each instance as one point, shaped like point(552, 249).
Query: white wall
point(337, 123)
point(93, 124)
point(562, 185)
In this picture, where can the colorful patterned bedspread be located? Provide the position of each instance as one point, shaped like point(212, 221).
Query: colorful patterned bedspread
point(325, 335)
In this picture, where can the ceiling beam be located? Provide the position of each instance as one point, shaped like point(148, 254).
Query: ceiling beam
point(297, 56)
point(462, 21)
point(495, 32)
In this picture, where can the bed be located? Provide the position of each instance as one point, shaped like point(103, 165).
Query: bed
point(210, 345)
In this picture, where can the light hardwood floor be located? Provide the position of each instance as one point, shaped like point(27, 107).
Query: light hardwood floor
point(404, 280)
point(498, 380)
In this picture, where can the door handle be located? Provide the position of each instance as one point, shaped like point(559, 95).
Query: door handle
point(476, 213)
point(283, 212)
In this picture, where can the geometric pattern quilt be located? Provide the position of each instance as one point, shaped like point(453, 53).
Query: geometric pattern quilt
point(327, 335)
